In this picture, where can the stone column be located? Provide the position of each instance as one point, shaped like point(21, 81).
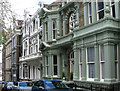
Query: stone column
point(43, 31)
point(119, 61)
point(43, 66)
point(94, 11)
point(97, 63)
point(76, 64)
point(59, 65)
point(107, 9)
point(50, 70)
point(84, 73)
point(64, 23)
point(86, 19)
point(109, 62)
point(117, 9)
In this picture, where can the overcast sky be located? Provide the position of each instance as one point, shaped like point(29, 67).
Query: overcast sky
point(32, 5)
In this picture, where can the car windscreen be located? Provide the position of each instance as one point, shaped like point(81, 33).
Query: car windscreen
point(59, 84)
point(22, 84)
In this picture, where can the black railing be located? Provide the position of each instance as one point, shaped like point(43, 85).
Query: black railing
point(93, 87)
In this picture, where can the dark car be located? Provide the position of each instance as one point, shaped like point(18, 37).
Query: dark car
point(50, 85)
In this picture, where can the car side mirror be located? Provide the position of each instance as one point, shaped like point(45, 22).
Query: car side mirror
point(40, 87)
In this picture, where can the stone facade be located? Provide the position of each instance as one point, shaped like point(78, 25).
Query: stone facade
point(8, 56)
point(82, 40)
point(16, 48)
point(30, 64)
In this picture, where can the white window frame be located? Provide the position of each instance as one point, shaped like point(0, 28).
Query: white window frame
point(111, 5)
point(54, 29)
point(99, 10)
point(101, 61)
point(80, 64)
point(46, 31)
point(87, 63)
point(90, 15)
point(54, 65)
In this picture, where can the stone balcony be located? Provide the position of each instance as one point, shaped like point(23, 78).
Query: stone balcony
point(30, 57)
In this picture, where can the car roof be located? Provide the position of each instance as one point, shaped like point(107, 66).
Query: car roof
point(49, 80)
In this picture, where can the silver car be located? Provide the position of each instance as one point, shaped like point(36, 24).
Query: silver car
point(21, 86)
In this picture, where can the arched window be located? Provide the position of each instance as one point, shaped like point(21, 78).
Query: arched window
point(71, 22)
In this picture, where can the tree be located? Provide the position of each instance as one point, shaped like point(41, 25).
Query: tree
point(6, 19)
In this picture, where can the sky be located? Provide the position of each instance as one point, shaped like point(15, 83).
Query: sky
point(19, 6)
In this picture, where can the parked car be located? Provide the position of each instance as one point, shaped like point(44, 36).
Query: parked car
point(2, 85)
point(8, 86)
point(21, 86)
point(50, 85)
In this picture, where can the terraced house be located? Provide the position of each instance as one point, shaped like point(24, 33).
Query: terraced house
point(81, 42)
point(30, 64)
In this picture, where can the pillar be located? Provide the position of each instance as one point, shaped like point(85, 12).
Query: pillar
point(59, 66)
point(50, 70)
point(109, 62)
point(76, 64)
point(43, 66)
point(94, 11)
point(97, 63)
point(64, 23)
point(86, 19)
point(84, 74)
point(117, 9)
point(119, 61)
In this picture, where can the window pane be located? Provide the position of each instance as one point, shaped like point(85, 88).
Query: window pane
point(80, 56)
point(54, 59)
point(100, 5)
point(103, 73)
point(101, 14)
point(113, 10)
point(102, 52)
point(55, 70)
point(115, 69)
point(90, 52)
point(91, 70)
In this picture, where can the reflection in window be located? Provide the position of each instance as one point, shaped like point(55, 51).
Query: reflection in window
point(100, 10)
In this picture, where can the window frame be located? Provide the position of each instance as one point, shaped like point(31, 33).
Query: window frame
point(55, 65)
point(101, 62)
point(91, 62)
point(54, 30)
point(98, 11)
